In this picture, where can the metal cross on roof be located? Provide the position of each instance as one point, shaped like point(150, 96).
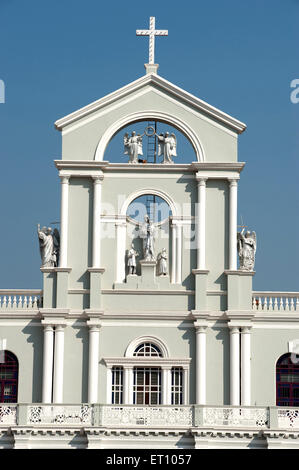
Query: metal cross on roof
point(152, 32)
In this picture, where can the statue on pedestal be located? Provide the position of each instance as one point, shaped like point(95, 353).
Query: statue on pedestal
point(246, 250)
point(162, 263)
point(49, 243)
point(133, 146)
point(132, 254)
point(147, 233)
point(167, 146)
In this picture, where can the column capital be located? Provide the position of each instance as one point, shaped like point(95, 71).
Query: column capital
point(201, 180)
point(166, 366)
point(233, 181)
point(126, 366)
point(48, 327)
point(64, 179)
point(246, 329)
point(98, 179)
point(94, 324)
point(60, 327)
point(200, 326)
point(234, 329)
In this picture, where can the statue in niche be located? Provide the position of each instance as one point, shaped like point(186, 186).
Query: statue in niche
point(49, 245)
point(147, 233)
point(133, 146)
point(167, 147)
point(132, 255)
point(162, 263)
point(246, 250)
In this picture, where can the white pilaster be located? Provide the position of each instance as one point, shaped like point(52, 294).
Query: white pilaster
point(234, 366)
point(48, 363)
point(179, 254)
point(233, 206)
point(173, 253)
point(121, 233)
point(201, 223)
point(245, 366)
point(96, 228)
point(58, 364)
point(200, 364)
point(185, 386)
point(166, 385)
point(93, 370)
point(64, 221)
point(128, 385)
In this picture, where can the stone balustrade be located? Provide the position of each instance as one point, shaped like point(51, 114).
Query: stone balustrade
point(275, 301)
point(17, 299)
point(160, 416)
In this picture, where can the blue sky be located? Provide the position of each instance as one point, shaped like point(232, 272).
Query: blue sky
point(240, 56)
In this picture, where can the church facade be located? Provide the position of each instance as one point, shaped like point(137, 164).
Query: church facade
point(147, 333)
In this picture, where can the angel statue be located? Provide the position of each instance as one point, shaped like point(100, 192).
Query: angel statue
point(132, 254)
point(133, 146)
point(246, 250)
point(167, 146)
point(162, 263)
point(49, 244)
point(147, 233)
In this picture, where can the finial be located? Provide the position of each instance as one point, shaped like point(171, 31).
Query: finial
point(151, 67)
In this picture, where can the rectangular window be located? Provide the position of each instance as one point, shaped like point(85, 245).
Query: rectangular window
point(176, 386)
point(147, 386)
point(117, 386)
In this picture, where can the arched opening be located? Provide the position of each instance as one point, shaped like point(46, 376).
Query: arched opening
point(287, 380)
point(151, 144)
point(9, 370)
point(159, 213)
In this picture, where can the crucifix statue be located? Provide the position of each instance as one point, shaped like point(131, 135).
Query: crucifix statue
point(152, 32)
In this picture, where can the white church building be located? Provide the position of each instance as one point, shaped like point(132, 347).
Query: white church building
point(147, 333)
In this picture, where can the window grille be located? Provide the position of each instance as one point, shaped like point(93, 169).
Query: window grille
point(147, 349)
point(9, 378)
point(147, 386)
point(287, 380)
point(117, 385)
point(176, 386)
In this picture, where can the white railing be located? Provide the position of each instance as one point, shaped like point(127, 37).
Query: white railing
point(8, 415)
point(160, 416)
point(17, 299)
point(146, 415)
point(250, 417)
point(60, 415)
point(275, 301)
point(288, 418)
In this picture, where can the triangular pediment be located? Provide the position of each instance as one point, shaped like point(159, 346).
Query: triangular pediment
point(156, 82)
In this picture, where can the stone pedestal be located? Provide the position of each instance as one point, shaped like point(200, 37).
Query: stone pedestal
point(49, 287)
point(239, 289)
point(148, 274)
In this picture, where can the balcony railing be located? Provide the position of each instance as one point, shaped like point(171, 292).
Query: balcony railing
point(20, 299)
point(160, 416)
point(275, 301)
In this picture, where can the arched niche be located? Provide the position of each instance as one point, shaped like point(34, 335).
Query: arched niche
point(150, 116)
point(159, 211)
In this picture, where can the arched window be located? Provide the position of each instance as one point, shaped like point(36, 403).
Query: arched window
point(147, 349)
point(287, 380)
point(8, 377)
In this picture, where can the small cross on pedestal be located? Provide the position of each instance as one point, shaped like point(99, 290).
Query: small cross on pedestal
point(152, 32)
